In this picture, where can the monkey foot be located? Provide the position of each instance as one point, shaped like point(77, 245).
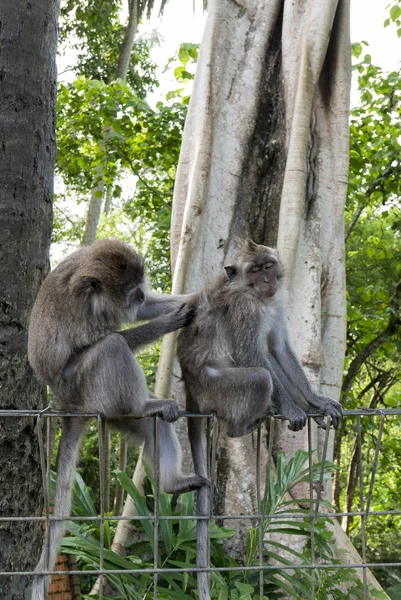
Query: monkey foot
point(187, 484)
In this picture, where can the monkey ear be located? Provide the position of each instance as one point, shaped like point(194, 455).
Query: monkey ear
point(230, 272)
point(89, 285)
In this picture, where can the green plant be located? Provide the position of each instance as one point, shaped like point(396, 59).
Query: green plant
point(177, 545)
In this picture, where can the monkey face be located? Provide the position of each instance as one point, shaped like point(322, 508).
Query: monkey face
point(256, 267)
point(264, 277)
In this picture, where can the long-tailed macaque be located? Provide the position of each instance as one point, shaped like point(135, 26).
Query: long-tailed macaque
point(237, 361)
point(236, 357)
point(75, 347)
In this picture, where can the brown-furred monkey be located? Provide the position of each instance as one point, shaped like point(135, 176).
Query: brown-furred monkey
point(75, 347)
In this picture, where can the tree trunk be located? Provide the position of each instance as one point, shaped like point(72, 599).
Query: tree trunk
point(28, 39)
point(265, 155)
point(269, 118)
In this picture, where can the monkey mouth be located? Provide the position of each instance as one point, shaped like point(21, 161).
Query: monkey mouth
point(268, 289)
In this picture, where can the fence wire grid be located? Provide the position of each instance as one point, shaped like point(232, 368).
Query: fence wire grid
point(43, 421)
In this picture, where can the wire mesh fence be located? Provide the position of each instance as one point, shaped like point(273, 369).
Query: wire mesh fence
point(263, 566)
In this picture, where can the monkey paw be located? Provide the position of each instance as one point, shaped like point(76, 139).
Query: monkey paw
point(330, 408)
point(180, 317)
point(297, 419)
point(169, 411)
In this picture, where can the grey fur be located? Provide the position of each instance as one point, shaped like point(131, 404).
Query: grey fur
point(75, 347)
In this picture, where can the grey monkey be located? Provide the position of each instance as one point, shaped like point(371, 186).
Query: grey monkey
point(237, 361)
point(236, 357)
point(75, 347)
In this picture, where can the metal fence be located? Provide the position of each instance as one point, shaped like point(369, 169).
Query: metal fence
point(44, 418)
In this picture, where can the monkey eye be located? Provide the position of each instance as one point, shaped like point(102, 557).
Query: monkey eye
point(255, 269)
point(268, 265)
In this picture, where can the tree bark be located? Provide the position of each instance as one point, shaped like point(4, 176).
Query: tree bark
point(28, 40)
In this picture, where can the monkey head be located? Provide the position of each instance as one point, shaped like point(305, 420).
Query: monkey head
point(110, 273)
point(258, 268)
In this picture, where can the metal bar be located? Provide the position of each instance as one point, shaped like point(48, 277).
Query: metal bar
point(44, 470)
point(362, 502)
point(101, 432)
point(254, 517)
point(364, 512)
point(156, 424)
point(321, 567)
point(212, 475)
point(312, 521)
point(260, 523)
point(323, 461)
point(375, 463)
point(53, 413)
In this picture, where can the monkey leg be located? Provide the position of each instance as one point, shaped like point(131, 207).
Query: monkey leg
point(244, 395)
point(197, 438)
point(72, 431)
point(172, 480)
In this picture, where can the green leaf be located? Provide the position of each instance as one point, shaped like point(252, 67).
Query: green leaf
point(395, 12)
point(140, 504)
point(356, 50)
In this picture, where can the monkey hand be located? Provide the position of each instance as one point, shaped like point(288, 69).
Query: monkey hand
point(328, 407)
point(297, 418)
point(180, 317)
point(169, 411)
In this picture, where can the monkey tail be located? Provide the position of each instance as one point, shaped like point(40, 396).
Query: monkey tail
point(197, 438)
point(72, 431)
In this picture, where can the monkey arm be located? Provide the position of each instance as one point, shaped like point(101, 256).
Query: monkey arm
point(159, 304)
point(291, 369)
point(166, 323)
point(283, 400)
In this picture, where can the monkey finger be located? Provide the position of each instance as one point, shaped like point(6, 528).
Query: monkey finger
point(335, 421)
point(297, 425)
point(170, 412)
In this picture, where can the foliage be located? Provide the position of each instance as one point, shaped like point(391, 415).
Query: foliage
point(141, 147)
point(92, 30)
point(177, 545)
point(372, 367)
point(374, 245)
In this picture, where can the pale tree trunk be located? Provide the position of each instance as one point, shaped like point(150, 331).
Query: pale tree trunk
point(265, 155)
point(28, 40)
point(97, 193)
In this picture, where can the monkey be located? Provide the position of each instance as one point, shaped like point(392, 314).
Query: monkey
point(236, 357)
point(77, 348)
point(237, 362)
